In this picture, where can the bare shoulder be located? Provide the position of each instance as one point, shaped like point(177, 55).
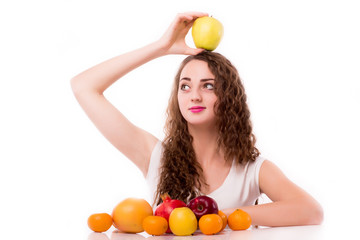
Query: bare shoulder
point(269, 170)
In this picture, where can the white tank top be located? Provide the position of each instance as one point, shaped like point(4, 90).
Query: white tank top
point(240, 187)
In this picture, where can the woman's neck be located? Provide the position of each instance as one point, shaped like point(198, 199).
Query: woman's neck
point(205, 145)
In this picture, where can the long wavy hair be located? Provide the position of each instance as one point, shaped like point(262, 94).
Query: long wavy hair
point(181, 175)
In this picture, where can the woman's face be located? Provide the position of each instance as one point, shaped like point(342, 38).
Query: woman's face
point(196, 94)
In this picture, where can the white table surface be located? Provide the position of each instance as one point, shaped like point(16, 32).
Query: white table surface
point(278, 233)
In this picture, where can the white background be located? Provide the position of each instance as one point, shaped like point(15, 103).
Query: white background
point(299, 61)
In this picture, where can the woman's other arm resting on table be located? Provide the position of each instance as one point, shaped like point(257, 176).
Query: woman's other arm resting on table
point(291, 205)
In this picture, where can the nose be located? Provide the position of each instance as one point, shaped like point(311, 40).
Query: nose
point(196, 96)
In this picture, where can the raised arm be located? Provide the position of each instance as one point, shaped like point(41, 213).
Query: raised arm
point(90, 85)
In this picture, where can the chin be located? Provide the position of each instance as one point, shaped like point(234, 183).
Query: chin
point(200, 123)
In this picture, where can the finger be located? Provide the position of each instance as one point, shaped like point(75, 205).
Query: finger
point(195, 15)
point(190, 16)
point(193, 51)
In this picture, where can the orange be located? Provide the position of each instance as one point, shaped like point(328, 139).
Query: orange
point(129, 214)
point(223, 218)
point(239, 220)
point(155, 225)
point(100, 222)
point(210, 224)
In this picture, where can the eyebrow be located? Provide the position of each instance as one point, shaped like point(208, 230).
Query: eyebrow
point(201, 80)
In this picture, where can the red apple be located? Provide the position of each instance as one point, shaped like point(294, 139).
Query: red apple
point(203, 205)
point(166, 207)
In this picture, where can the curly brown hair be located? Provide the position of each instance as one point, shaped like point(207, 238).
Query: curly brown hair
point(181, 175)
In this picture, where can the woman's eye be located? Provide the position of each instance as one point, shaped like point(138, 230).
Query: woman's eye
point(184, 87)
point(209, 86)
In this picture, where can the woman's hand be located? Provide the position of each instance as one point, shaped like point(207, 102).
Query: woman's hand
point(173, 41)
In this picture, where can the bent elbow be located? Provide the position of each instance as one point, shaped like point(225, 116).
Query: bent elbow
point(78, 88)
point(81, 86)
point(315, 215)
point(74, 85)
point(318, 216)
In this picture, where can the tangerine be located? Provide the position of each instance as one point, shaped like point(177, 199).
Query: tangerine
point(239, 220)
point(129, 214)
point(210, 224)
point(223, 218)
point(100, 222)
point(155, 225)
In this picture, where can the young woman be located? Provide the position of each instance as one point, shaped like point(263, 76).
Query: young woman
point(209, 147)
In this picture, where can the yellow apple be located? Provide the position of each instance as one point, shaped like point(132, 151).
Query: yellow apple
point(207, 33)
point(182, 221)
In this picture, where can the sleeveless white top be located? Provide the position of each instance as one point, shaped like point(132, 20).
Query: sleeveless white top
point(240, 187)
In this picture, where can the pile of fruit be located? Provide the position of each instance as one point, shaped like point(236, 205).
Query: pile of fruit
point(134, 215)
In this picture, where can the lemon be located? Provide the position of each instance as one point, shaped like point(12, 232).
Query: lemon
point(182, 221)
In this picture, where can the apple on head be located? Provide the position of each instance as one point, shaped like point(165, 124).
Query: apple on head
point(207, 33)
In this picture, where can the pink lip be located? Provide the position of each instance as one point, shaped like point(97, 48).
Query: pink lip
point(196, 109)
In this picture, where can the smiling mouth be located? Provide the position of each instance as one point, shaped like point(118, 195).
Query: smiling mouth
point(197, 109)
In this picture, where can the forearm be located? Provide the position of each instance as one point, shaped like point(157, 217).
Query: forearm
point(101, 76)
point(98, 78)
point(284, 213)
